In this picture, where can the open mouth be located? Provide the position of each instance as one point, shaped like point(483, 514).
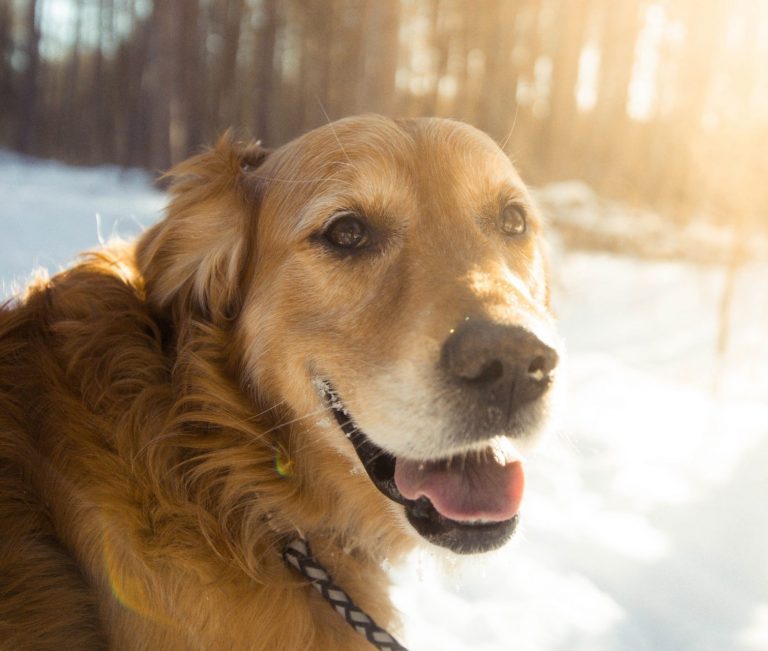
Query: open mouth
point(467, 502)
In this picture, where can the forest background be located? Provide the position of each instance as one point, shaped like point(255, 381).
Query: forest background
point(662, 104)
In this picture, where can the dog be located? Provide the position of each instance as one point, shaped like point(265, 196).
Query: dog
point(347, 341)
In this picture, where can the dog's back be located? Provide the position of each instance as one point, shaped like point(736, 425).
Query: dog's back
point(47, 353)
point(91, 543)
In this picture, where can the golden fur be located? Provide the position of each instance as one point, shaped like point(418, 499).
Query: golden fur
point(160, 439)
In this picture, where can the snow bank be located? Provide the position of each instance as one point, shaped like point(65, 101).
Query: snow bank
point(588, 221)
point(50, 212)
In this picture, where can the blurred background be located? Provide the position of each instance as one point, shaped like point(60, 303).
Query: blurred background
point(642, 126)
point(663, 103)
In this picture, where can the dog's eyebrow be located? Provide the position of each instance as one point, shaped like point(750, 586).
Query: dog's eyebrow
point(324, 205)
point(513, 192)
point(382, 191)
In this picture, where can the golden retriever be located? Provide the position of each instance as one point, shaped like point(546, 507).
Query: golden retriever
point(346, 340)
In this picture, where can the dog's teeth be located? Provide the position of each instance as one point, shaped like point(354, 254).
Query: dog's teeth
point(503, 451)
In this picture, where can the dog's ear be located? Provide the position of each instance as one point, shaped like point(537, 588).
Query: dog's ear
point(194, 258)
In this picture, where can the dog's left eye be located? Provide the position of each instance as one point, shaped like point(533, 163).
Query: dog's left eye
point(347, 231)
point(512, 220)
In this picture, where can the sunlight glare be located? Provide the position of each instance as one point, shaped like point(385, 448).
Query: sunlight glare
point(586, 86)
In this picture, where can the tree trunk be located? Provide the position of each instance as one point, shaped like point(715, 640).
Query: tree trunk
point(28, 109)
point(376, 89)
point(563, 110)
point(188, 84)
point(317, 31)
point(621, 27)
point(264, 65)
point(225, 95)
point(6, 69)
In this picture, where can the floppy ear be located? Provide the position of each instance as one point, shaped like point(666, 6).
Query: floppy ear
point(195, 256)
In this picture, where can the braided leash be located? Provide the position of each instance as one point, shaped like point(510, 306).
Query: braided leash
point(298, 555)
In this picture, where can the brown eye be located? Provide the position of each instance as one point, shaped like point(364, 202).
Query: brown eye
point(347, 231)
point(512, 219)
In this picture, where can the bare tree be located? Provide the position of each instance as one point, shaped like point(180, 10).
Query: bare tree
point(317, 19)
point(147, 83)
point(28, 99)
point(6, 69)
point(621, 23)
point(228, 18)
point(264, 68)
point(563, 112)
point(376, 88)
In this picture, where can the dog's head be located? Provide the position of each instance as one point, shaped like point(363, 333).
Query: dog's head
point(391, 275)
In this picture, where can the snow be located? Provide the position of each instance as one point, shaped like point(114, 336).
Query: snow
point(588, 220)
point(50, 213)
point(644, 523)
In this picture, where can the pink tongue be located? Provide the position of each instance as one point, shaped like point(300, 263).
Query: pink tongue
point(465, 490)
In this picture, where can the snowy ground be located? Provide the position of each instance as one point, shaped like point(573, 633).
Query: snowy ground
point(645, 517)
point(50, 212)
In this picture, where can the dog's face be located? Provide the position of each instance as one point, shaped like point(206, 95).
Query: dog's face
point(392, 277)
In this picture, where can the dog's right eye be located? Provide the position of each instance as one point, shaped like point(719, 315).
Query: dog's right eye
point(512, 219)
point(347, 231)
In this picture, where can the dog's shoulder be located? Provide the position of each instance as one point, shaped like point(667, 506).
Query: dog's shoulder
point(83, 331)
point(102, 282)
point(57, 344)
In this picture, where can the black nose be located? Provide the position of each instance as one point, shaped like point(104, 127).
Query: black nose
point(506, 366)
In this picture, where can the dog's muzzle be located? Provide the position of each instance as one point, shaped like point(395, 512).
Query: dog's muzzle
point(467, 503)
